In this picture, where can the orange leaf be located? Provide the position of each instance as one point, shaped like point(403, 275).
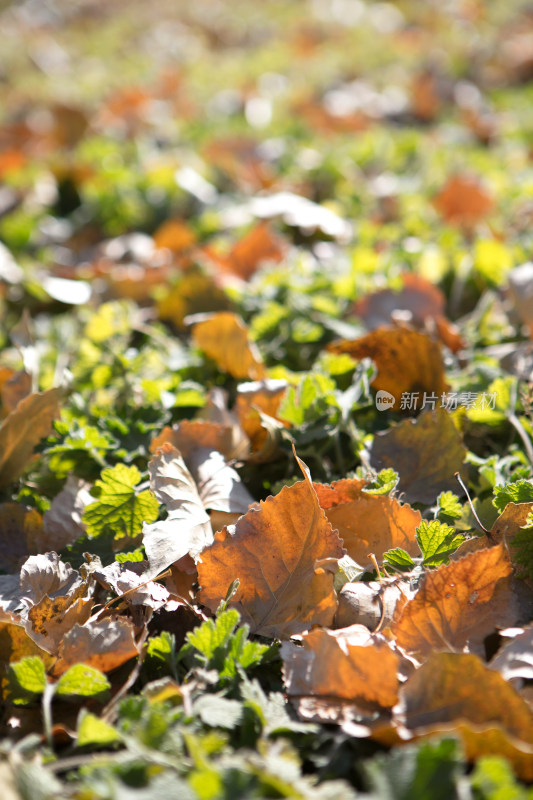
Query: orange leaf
point(23, 429)
point(223, 336)
point(456, 604)
point(15, 643)
point(347, 664)
point(463, 201)
point(407, 361)
point(258, 247)
point(456, 691)
point(104, 645)
point(188, 435)
point(368, 523)
point(279, 553)
point(426, 452)
point(175, 235)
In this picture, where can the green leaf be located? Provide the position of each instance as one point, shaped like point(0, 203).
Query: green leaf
point(516, 492)
point(493, 779)
point(211, 635)
point(416, 772)
point(450, 506)
point(348, 570)
point(384, 483)
point(118, 507)
point(27, 679)
point(81, 680)
point(437, 541)
point(94, 732)
point(523, 546)
point(399, 559)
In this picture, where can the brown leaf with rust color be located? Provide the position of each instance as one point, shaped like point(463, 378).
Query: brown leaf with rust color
point(257, 247)
point(255, 399)
point(223, 336)
point(19, 528)
point(457, 604)
point(282, 554)
point(23, 429)
point(15, 643)
point(188, 435)
point(463, 201)
point(505, 527)
point(104, 645)
point(426, 452)
point(347, 664)
point(368, 523)
point(14, 387)
point(407, 361)
point(457, 692)
point(51, 618)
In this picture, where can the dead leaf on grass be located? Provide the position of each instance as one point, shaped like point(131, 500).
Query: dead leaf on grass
point(457, 691)
point(24, 428)
point(347, 664)
point(223, 336)
point(407, 361)
point(457, 604)
point(104, 645)
point(14, 387)
point(281, 553)
point(463, 201)
point(515, 659)
point(426, 452)
point(368, 523)
point(259, 246)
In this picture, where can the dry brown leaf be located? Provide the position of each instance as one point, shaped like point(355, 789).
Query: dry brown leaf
point(45, 574)
point(255, 399)
point(426, 452)
point(259, 246)
point(51, 618)
point(15, 643)
point(14, 386)
point(463, 201)
point(457, 604)
point(348, 664)
point(19, 529)
point(104, 645)
point(456, 691)
point(407, 361)
point(281, 554)
point(62, 522)
point(187, 529)
point(223, 336)
point(23, 429)
point(368, 523)
point(187, 435)
point(504, 529)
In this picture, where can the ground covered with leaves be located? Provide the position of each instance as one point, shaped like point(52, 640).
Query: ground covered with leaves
point(266, 384)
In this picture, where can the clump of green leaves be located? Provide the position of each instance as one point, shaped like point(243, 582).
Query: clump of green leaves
point(520, 491)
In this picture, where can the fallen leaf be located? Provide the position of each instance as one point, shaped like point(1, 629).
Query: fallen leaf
point(418, 302)
point(456, 691)
point(220, 487)
point(463, 201)
point(188, 435)
point(368, 523)
point(505, 527)
point(24, 428)
point(254, 400)
point(62, 522)
point(104, 645)
point(348, 664)
point(457, 604)
point(371, 604)
point(426, 452)
point(15, 643)
point(14, 387)
point(279, 552)
point(51, 618)
point(223, 336)
point(187, 529)
point(407, 361)
point(46, 575)
point(19, 529)
point(259, 246)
